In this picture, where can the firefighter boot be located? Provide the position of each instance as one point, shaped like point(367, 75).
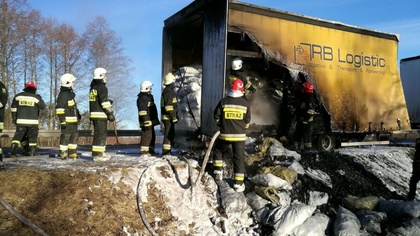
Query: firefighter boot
point(32, 151)
point(13, 150)
point(73, 155)
point(296, 146)
point(26, 150)
point(218, 175)
point(101, 157)
point(152, 151)
point(63, 155)
point(239, 187)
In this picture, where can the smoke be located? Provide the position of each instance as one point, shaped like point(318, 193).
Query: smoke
point(263, 110)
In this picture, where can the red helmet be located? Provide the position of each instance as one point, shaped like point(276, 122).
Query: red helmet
point(237, 85)
point(308, 87)
point(30, 84)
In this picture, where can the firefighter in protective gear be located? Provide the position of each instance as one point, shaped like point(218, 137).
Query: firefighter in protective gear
point(169, 108)
point(304, 117)
point(25, 110)
point(3, 101)
point(415, 176)
point(233, 116)
point(100, 112)
point(69, 116)
point(148, 118)
point(237, 72)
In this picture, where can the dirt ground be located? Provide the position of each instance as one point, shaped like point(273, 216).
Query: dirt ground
point(60, 203)
point(85, 202)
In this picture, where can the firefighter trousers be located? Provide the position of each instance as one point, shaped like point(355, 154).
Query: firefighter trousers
point(147, 140)
point(169, 136)
point(415, 178)
point(26, 133)
point(69, 138)
point(303, 132)
point(99, 137)
point(238, 149)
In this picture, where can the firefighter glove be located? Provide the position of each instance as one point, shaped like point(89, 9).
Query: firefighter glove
point(63, 125)
point(79, 117)
point(14, 117)
point(111, 117)
point(174, 121)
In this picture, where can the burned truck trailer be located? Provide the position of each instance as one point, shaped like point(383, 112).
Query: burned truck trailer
point(410, 75)
point(355, 72)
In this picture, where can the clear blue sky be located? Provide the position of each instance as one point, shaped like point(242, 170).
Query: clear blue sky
point(139, 23)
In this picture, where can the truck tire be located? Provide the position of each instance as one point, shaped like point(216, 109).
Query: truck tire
point(326, 142)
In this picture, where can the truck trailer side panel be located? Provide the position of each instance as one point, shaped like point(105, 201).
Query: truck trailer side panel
point(214, 57)
point(355, 70)
point(410, 76)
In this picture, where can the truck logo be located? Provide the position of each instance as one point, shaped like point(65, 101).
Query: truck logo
point(305, 53)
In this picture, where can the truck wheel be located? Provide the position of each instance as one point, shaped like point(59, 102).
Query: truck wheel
point(326, 142)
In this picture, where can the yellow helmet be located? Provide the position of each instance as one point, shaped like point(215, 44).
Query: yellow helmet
point(169, 79)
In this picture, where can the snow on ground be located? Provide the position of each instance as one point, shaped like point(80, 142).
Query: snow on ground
point(168, 180)
point(393, 165)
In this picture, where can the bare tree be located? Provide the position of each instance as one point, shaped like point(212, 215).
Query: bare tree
point(104, 50)
point(64, 52)
point(39, 49)
point(12, 21)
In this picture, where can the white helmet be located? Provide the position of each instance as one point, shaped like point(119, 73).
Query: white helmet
point(236, 64)
point(146, 86)
point(99, 73)
point(66, 80)
point(169, 79)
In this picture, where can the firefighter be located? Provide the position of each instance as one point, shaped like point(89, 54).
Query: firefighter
point(169, 107)
point(415, 177)
point(148, 118)
point(233, 116)
point(26, 107)
point(304, 117)
point(100, 112)
point(237, 72)
point(3, 101)
point(69, 116)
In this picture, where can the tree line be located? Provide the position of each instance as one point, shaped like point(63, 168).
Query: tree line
point(39, 49)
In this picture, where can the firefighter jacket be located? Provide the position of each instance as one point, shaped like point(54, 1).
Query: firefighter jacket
point(148, 115)
point(66, 108)
point(416, 159)
point(169, 104)
point(305, 111)
point(100, 106)
point(233, 116)
point(3, 100)
point(26, 107)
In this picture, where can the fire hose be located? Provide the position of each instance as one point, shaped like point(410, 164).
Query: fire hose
point(22, 218)
point(140, 207)
point(206, 157)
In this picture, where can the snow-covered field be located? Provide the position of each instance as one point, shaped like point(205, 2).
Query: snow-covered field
point(212, 208)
